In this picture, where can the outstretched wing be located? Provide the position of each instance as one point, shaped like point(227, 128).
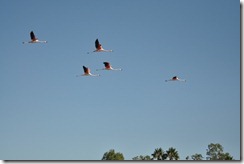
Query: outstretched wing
point(97, 44)
point(32, 35)
point(86, 70)
point(107, 64)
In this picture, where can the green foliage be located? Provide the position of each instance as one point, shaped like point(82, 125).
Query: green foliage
point(112, 155)
point(172, 154)
point(159, 154)
point(226, 156)
point(216, 152)
point(197, 157)
point(141, 157)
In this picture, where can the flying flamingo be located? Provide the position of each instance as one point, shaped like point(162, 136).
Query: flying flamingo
point(109, 67)
point(175, 78)
point(34, 39)
point(87, 72)
point(99, 47)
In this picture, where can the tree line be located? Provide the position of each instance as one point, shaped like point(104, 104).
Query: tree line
point(213, 152)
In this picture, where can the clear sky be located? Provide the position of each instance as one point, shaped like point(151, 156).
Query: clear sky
point(46, 112)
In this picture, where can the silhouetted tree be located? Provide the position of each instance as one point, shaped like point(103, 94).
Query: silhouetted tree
point(112, 155)
point(141, 157)
point(159, 154)
point(172, 154)
point(197, 157)
point(215, 152)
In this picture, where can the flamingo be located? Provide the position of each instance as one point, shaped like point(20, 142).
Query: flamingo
point(34, 39)
point(175, 78)
point(87, 72)
point(99, 47)
point(109, 67)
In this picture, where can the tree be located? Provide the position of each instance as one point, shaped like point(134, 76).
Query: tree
point(197, 157)
point(112, 155)
point(159, 154)
point(172, 154)
point(226, 156)
point(141, 157)
point(215, 152)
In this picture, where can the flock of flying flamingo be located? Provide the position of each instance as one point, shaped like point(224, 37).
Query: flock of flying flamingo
point(99, 48)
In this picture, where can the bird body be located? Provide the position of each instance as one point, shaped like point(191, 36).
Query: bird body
point(99, 47)
point(108, 67)
point(34, 39)
point(175, 78)
point(87, 72)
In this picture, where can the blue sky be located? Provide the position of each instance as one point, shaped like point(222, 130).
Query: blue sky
point(46, 112)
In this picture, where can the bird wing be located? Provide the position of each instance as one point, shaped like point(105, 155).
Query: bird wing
point(97, 44)
point(86, 70)
point(32, 35)
point(107, 64)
